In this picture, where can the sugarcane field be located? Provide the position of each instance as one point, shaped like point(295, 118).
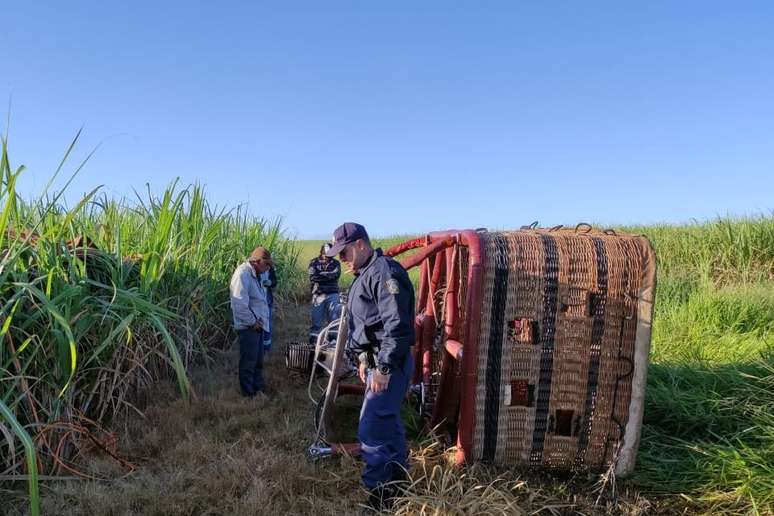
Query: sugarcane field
point(412, 259)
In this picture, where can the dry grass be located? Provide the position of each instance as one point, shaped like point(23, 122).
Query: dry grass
point(438, 488)
point(223, 454)
point(219, 454)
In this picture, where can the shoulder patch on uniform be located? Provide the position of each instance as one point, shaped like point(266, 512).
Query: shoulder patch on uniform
point(392, 286)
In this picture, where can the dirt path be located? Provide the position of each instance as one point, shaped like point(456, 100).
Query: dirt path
point(220, 454)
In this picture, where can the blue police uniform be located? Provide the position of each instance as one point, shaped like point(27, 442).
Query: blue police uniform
point(381, 325)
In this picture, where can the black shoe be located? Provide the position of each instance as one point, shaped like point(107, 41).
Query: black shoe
point(399, 477)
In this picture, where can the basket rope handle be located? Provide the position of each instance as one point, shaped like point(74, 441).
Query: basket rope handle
point(584, 225)
point(530, 226)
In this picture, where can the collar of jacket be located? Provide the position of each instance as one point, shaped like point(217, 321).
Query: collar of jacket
point(252, 270)
point(376, 254)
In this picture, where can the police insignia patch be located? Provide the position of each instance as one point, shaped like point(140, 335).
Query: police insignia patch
point(392, 286)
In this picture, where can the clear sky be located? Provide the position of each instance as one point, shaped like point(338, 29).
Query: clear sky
point(405, 116)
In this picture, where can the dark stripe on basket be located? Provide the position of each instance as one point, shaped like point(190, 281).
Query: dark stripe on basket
point(494, 352)
point(597, 333)
point(548, 329)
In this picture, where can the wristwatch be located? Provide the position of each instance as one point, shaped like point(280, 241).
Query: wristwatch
point(384, 369)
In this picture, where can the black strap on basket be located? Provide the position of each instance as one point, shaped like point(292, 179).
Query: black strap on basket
point(583, 225)
point(530, 226)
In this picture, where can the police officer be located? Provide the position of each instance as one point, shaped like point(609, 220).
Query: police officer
point(381, 332)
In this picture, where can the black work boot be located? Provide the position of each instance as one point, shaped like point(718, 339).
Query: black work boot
point(399, 480)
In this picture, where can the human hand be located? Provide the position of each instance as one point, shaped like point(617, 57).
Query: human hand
point(361, 371)
point(379, 381)
point(258, 325)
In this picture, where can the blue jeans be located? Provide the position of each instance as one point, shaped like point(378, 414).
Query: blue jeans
point(251, 361)
point(381, 432)
point(325, 308)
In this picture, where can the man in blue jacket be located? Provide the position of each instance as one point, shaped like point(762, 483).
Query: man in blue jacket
point(324, 273)
point(381, 332)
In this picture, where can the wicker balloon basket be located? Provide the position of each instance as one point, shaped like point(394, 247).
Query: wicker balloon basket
point(532, 345)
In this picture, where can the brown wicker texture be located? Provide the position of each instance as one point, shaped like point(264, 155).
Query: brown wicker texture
point(557, 347)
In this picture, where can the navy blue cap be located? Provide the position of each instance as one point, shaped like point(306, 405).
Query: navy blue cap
point(346, 234)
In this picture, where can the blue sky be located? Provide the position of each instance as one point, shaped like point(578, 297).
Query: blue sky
point(405, 116)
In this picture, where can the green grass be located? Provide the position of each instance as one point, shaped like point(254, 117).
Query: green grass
point(726, 249)
point(708, 436)
point(85, 328)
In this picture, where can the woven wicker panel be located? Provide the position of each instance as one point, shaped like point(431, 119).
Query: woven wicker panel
point(525, 295)
point(556, 346)
point(486, 359)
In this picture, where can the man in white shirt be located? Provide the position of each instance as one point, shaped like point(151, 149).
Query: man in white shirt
point(250, 309)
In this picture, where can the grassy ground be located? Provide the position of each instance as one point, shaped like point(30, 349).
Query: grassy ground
point(218, 454)
point(223, 454)
point(708, 434)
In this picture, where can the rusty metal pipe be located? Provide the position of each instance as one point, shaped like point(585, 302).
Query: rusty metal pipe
point(452, 284)
point(470, 331)
point(428, 334)
point(445, 408)
point(420, 256)
point(438, 269)
point(401, 248)
point(476, 257)
point(424, 287)
point(419, 324)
